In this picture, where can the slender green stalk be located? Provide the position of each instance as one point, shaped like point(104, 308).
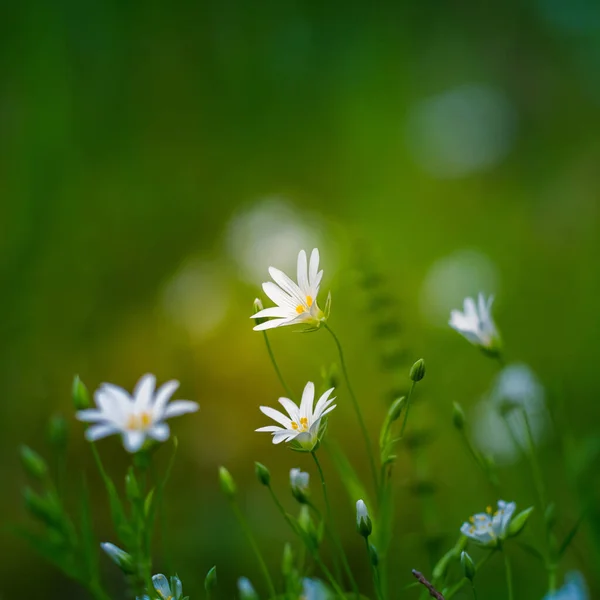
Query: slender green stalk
point(356, 406)
point(474, 592)
point(412, 387)
point(330, 528)
point(329, 576)
point(509, 582)
point(458, 585)
point(259, 557)
point(287, 389)
point(375, 572)
point(535, 465)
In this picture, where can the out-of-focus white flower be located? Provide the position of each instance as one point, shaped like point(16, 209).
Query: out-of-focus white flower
point(518, 387)
point(137, 416)
point(121, 558)
point(363, 520)
point(246, 589)
point(490, 527)
point(299, 482)
point(574, 589)
point(296, 303)
point(164, 589)
point(315, 589)
point(475, 324)
point(302, 424)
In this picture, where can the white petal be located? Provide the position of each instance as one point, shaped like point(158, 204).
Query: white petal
point(287, 285)
point(133, 440)
point(274, 311)
point(89, 415)
point(327, 411)
point(270, 429)
point(276, 416)
point(161, 585)
point(470, 309)
point(163, 394)
point(144, 391)
point(313, 268)
point(308, 397)
point(97, 432)
point(277, 295)
point(111, 394)
point(180, 407)
point(323, 400)
point(291, 408)
point(160, 432)
point(280, 437)
point(303, 273)
point(272, 324)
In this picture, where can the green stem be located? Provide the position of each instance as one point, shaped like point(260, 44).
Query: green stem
point(330, 528)
point(357, 410)
point(490, 476)
point(374, 571)
point(412, 387)
point(535, 465)
point(287, 389)
point(474, 592)
point(329, 576)
point(261, 561)
point(509, 583)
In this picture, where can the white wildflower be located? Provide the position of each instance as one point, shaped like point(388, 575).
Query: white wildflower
point(490, 527)
point(475, 323)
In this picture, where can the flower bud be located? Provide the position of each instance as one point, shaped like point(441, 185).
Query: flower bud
point(518, 523)
point(373, 555)
point(395, 410)
point(81, 396)
point(33, 463)
point(44, 508)
point(458, 416)
point(417, 371)
point(227, 484)
point(132, 489)
point(258, 306)
point(210, 581)
point(311, 535)
point(246, 589)
point(363, 521)
point(468, 566)
point(262, 474)
point(121, 558)
point(57, 432)
point(287, 561)
point(299, 482)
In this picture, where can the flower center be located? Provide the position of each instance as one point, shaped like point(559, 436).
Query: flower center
point(302, 426)
point(139, 422)
point(301, 308)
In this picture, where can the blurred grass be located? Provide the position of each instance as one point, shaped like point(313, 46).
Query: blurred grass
point(132, 135)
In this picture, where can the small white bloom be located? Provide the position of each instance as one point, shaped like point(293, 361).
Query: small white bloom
point(166, 591)
point(299, 482)
point(476, 323)
point(574, 589)
point(137, 416)
point(363, 520)
point(315, 589)
point(296, 303)
point(246, 589)
point(302, 424)
point(489, 527)
point(121, 558)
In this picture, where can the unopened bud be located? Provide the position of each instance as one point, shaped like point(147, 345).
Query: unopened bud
point(246, 589)
point(518, 523)
point(132, 489)
point(468, 566)
point(81, 396)
point(395, 410)
point(373, 555)
point(258, 306)
point(33, 463)
point(417, 371)
point(57, 432)
point(287, 561)
point(363, 521)
point(44, 508)
point(299, 482)
point(210, 581)
point(458, 416)
point(227, 484)
point(121, 558)
point(262, 474)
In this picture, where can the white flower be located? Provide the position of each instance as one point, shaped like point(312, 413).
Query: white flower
point(296, 303)
point(491, 526)
point(363, 520)
point(299, 482)
point(137, 416)
point(166, 591)
point(476, 323)
point(314, 589)
point(574, 589)
point(246, 589)
point(302, 424)
point(121, 558)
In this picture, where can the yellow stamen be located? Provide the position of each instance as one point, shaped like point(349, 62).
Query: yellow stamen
point(294, 425)
point(299, 309)
point(309, 300)
point(496, 513)
point(488, 510)
point(132, 422)
point(304, 422)
point(472, 520)
point(145, 419)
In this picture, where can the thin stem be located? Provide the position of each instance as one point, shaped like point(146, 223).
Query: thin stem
point(457, 586)
point(356, 406)
point(375, 572)
point(329, 576)
point(474, 592)
point(509, 583)
point(535, 465)
point(490, 476)
point(255, 548)
point(287, 389)
point(412, 387)
point(329, 528)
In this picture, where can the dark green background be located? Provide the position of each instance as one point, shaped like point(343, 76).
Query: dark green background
point(132, 135)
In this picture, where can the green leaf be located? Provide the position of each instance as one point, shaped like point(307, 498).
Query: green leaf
point(570, 536)
point(531, 550)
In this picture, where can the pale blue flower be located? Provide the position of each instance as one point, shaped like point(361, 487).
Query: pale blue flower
point(574, 589)
point(487, 528)
point(315, 589)
point(166, 590)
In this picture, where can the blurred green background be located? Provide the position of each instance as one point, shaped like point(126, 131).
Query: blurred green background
point(156, 158)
